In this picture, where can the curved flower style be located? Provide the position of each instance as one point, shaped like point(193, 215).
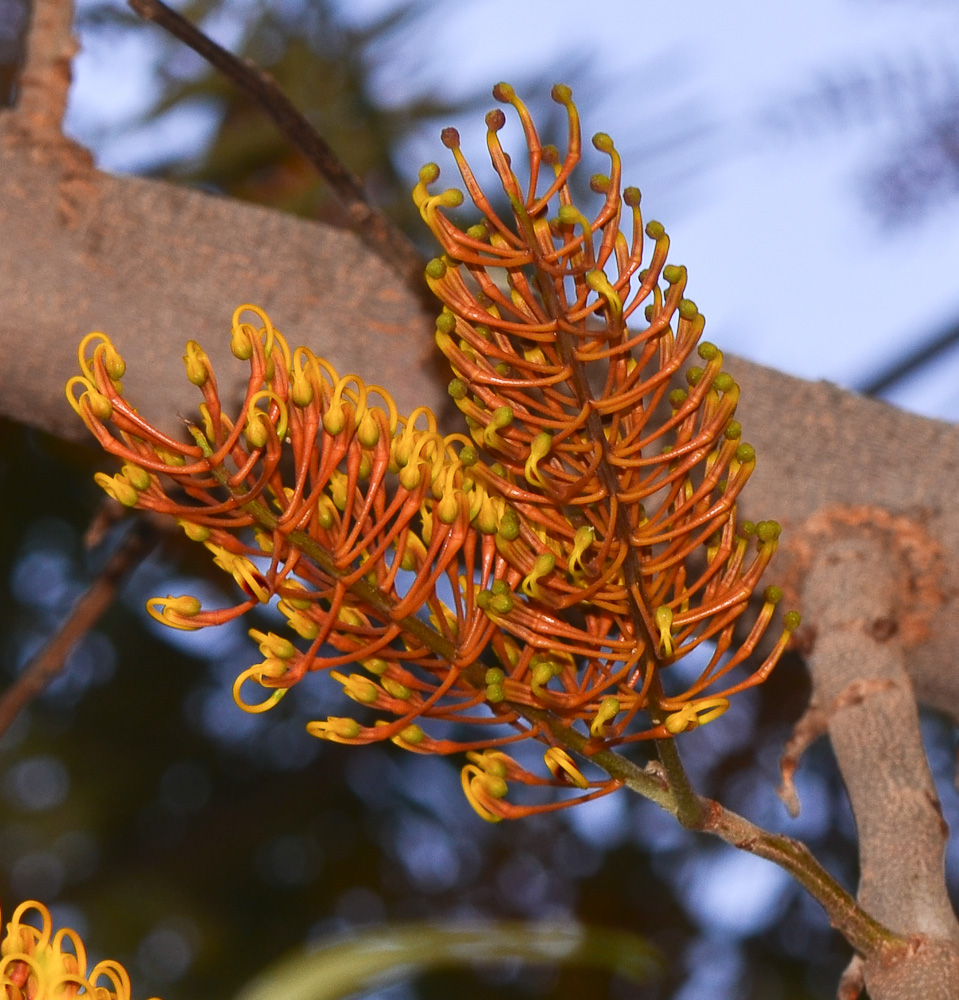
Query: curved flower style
point(36, 964)
point(542, 572)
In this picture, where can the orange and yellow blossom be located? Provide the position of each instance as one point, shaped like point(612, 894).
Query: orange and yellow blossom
point(38, 964)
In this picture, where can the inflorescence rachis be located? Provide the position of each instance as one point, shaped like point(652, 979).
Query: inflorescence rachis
point(471, 590)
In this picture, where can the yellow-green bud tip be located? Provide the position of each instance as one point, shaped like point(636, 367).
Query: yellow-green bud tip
point(138, 476)
point(412, 734)
point(509, 526)
point(734, 430)
point(501, 604)
point(446, 322)
point(768, 531)
point(772, 594)
point(707, 351)
point(430, 171)
point(603, 142)
point(688, 309)
point(673, 273)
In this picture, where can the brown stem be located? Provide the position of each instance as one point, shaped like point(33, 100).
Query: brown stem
point(864, 933)
point(49, 661)
point(387, 241)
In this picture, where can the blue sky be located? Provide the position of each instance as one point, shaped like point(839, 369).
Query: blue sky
point(718, 110)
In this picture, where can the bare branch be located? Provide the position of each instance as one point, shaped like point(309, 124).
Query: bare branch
point(88, 610)
point(384, 238)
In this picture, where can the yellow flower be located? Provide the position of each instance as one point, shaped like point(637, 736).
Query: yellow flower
point(36, 964)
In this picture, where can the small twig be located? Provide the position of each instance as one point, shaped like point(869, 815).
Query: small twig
point(812, 724)
point(866, 934)
point(386, 240)
point(49, 661)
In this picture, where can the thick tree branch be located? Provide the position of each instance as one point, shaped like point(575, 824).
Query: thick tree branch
point(154, 265)
point(855, 592)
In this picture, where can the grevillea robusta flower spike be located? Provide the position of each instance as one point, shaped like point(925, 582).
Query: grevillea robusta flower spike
point(474, 590)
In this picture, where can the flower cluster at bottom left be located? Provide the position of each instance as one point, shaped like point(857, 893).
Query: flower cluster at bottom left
point(37, 964)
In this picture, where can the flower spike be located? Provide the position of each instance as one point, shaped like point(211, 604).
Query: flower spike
point(534, 575)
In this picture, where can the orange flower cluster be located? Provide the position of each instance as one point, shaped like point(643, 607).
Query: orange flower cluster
point(541, 572)
point(36, 964)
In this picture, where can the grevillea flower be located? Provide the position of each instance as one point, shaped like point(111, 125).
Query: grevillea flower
point(541, 572)
point(38, 964)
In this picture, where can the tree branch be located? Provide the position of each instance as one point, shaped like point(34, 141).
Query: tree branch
point(379, 233)
point(87, 611)
point(859, 927)
point(45, 80)
point(855, 594)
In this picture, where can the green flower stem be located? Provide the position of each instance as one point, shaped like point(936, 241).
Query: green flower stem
point(689, 806)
